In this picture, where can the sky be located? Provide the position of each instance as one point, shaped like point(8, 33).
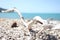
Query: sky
point(32, 6)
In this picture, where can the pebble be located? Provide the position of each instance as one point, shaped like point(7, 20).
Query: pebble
point(9, 33)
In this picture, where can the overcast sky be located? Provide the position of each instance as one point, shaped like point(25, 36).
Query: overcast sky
point(33, 6)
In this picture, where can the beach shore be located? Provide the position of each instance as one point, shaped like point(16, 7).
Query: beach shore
point(14, 29)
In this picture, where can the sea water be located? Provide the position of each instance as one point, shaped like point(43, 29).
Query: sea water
point(13, 15)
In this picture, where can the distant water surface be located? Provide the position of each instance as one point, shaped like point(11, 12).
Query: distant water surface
point(13, 15)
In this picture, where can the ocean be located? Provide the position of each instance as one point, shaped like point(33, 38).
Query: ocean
point(13, 15)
